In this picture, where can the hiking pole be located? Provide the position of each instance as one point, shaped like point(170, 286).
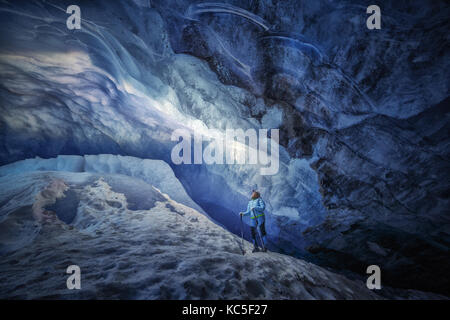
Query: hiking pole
point(242, 236)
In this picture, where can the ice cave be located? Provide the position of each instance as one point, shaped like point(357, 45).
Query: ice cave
point(86, 123)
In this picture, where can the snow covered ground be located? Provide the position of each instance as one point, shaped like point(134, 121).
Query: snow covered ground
point(165, 251)
point(160, 249)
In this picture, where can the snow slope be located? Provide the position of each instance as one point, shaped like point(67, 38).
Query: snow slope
point(165, 251)
point(161, 249)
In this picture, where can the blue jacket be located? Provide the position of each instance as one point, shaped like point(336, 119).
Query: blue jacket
point(257, 214)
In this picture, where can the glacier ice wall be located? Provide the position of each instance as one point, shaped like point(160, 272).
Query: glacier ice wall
point(363, 116)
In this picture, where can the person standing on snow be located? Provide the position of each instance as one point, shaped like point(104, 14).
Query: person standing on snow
point(255, 209)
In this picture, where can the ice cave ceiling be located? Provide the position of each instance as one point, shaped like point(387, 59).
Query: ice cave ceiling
point(363, 115)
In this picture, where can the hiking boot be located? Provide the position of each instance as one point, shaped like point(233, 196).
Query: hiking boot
point(255, 249)
point(264, 249)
